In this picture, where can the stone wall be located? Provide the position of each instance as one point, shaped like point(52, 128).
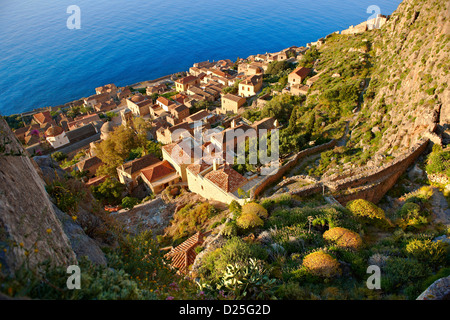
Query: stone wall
point(374, 183)
point(257, 189)
point(370, 184)
point(372, 175)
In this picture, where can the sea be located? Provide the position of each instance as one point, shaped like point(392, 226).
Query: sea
point(56, 51)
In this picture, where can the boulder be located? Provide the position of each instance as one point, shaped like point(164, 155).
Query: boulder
point(439, 290)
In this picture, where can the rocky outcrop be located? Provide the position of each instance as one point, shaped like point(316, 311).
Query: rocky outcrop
point(82, 245)
point(410, 80)
point(30, 231)
point(439, 290)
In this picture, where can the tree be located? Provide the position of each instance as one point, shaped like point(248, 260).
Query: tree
point(117, 147)
point(110, 191)
point(129, 202)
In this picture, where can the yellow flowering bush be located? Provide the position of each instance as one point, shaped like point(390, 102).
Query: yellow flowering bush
point(343, 238)
point(322, 264)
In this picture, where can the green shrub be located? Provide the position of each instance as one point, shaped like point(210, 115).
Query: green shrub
point(411, 215)
point(129, 202)
point(427, 251)
point(59, 156)
point(234, 251)
point(401, 272)
point(368, 212)
point(67, 194)
point(438, 162)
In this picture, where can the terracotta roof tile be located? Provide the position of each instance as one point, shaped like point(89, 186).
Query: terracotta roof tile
point(184, 254)
point(139, 164)
point(43, 117)
point(226, 178)
point(158, 170)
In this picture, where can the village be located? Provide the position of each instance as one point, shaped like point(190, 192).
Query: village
point(193, 110)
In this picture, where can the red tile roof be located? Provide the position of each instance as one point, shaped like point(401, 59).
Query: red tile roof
point(139, 164)
point(196, 168)
point(158, 170)
point(184, 254)
point(226, 178)
point(302, 72)
point(186, 79)
point(43, 117)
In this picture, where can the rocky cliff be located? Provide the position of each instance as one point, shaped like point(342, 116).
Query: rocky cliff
point(411, 76)
point(30, 231)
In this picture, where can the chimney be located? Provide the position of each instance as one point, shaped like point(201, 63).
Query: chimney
point(233, 123)
point(215, 165)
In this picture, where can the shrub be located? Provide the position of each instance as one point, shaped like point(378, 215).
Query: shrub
point(255, 208)
point(439, 162)
point(129, 202)
point(59, 156)
point(67, 194)
point(249, 220)
point(247, 280)
point(428, 251)
point(110, 191)
point(411, 215)
point(343, 238)
point(368, 212)
point(400, 272)
point(322, 264)
point(190, 219)
point(234, 251)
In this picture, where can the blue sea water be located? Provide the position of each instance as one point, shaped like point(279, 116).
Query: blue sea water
point(43, 63)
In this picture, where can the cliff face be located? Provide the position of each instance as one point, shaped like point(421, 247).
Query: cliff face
point(30, 231)
point(411, 75)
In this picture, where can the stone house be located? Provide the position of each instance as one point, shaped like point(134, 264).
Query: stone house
point(174, 133)
point(43, 117)
point(139, 105)
point(298, 75)
point(159, 176)
point(232, 103)
point(250, 86)
point(56, 136)
point(215, 182)
point(83, 120)
point(181, 154)
point(105, 106)
point(109, 89)
point(90, 165)
point(159, 88)
point(298, 89)
point(96, 99)
point(164, 103)
point(184, 83)
point(129, 171)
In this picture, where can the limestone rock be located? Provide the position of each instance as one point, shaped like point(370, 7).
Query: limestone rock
point(82, 244)
point(439, 290)
point(29, 228)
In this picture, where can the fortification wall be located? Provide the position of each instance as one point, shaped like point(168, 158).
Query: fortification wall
point(372, 175)
point(370, 185)
point(257, 189)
